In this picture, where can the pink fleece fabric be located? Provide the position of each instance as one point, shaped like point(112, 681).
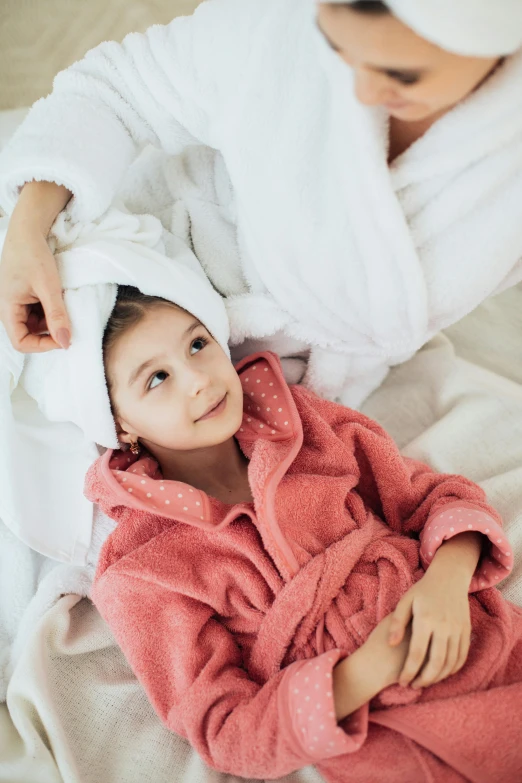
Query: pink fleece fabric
point(233, 617)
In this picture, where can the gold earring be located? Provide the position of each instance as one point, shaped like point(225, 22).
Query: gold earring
point(135, 448)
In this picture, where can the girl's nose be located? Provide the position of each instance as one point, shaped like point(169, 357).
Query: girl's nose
point(197, 382)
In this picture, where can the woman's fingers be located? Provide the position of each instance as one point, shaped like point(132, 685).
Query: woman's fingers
point(29, 278)
point(51, 297)
point(419, 644)
point(436, 661)
point(17, 322)
point(32, 329)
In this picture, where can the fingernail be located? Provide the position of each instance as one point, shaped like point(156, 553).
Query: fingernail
point(63, 338)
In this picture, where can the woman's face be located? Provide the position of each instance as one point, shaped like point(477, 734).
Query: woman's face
point(172, 386)
point(395, 68)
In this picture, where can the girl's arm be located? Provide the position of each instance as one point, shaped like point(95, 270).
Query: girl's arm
point(415, 500)
point(369, 670)
point(196, 677)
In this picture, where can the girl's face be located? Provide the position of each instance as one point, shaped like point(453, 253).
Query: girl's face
point(395, 68)
point(172, 386)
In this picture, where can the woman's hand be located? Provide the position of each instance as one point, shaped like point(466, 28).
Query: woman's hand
point(438, 609)
point(31, 302)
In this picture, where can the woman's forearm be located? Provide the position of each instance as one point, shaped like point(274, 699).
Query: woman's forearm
point(38, 206)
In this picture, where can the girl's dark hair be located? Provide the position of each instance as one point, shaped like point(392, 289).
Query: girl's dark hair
point(369, 7)
point(131, 306)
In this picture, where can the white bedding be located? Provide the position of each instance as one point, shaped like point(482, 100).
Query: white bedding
point(75, 713)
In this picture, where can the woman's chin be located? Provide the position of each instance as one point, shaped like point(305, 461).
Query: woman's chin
point(408, 112)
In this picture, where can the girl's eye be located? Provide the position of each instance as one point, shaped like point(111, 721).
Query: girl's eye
point(160, 376)
point(197, 345)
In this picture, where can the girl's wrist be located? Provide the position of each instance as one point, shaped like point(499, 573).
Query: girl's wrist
point(458, 558)
point(355, 682)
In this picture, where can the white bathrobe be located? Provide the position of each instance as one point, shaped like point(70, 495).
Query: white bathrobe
point(360, 261)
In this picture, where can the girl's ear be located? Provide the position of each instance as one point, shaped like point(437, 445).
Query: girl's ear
point(123, 435)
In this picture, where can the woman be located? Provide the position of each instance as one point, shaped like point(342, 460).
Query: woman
point(374, 153)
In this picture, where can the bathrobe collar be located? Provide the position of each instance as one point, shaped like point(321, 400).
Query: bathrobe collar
point(271, 428)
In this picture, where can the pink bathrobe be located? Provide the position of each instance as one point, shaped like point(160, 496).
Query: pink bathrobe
point(233, 617)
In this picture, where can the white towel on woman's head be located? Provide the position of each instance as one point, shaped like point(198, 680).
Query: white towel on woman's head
point(476, 28)
point(54, 407)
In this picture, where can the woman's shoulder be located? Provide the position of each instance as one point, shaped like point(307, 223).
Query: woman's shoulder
point(265, 33)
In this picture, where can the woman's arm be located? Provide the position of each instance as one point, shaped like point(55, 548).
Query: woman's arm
point(167, 87)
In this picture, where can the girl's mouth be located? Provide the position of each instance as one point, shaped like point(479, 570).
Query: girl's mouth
point(216, 410)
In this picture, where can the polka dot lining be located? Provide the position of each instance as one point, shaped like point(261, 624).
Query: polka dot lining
point(262, 417)
point(493, 566)
point(313, 712)
point(143, 481)
point(140, 476)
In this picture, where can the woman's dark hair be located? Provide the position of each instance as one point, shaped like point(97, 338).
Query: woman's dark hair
point(369, 7)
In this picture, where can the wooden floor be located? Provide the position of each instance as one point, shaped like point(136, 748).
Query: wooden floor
point(38, 38)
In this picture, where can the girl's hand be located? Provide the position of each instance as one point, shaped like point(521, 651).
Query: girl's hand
point(369, 670)
point(438, 607)
point(385, 662)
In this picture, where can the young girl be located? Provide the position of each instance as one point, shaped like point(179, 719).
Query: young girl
point(285, 584)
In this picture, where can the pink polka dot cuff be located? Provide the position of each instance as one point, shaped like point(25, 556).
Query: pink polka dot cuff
point(312, 711)
point(496, 561)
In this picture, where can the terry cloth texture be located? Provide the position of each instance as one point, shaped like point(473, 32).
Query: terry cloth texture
point(235, 599)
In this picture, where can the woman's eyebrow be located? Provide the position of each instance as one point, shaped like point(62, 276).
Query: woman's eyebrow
point(393, 72)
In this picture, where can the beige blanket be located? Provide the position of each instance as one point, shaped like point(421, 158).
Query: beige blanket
point(75, 712)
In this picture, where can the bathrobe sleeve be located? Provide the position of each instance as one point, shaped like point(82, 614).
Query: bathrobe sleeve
point(415, 500)
point(171, 87)
point(192, 671)
point(447, 505)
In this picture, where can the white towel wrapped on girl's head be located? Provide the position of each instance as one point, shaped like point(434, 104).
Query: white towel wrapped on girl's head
point(55, 407)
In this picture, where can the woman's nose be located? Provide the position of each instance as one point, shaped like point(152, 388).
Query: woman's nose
point(371, 89)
